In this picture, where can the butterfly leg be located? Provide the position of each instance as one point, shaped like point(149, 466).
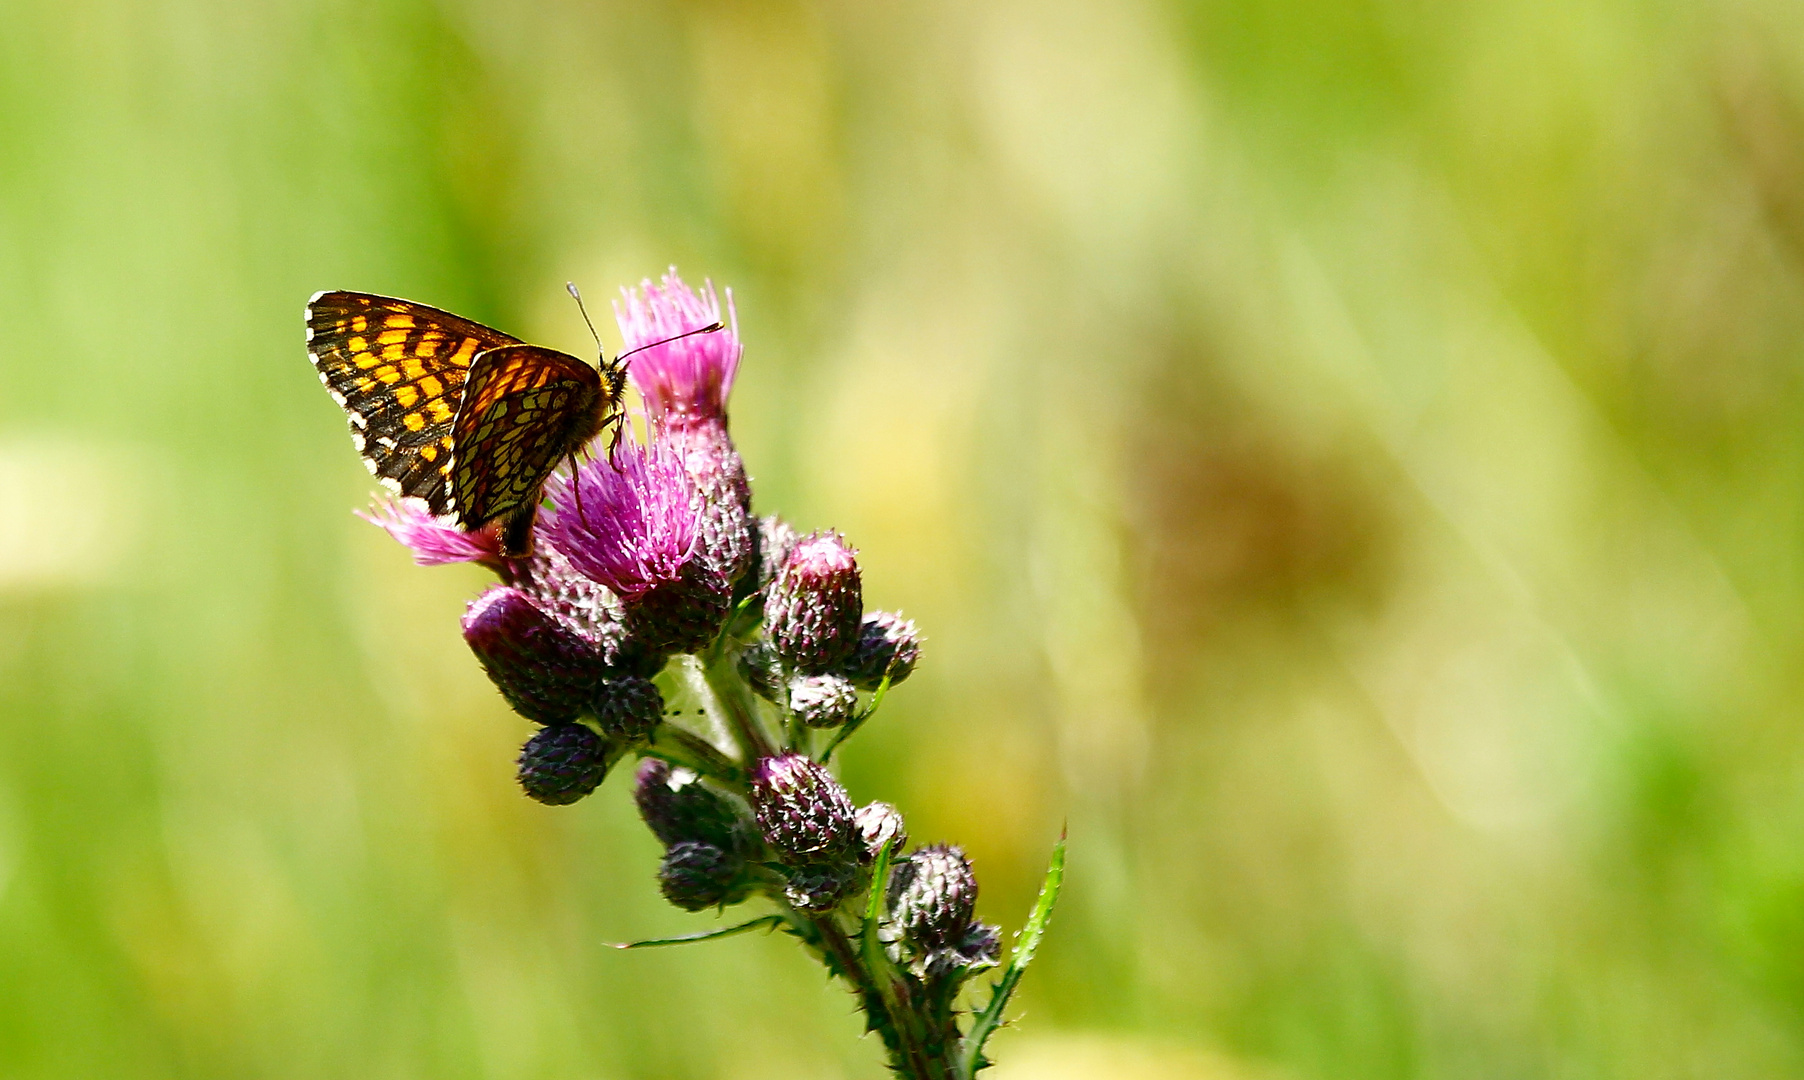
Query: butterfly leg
point(618, 423)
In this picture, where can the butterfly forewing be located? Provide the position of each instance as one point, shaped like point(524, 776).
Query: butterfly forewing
point(524, 409)
point(398, 368)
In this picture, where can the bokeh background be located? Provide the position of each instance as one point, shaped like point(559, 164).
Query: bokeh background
point(1347, 455)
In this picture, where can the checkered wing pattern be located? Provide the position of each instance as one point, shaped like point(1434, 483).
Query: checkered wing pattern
point(525, 408)
point(399, 371)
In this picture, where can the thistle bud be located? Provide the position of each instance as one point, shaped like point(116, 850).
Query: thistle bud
point(981, 946)
point(544, 668)
point(822, 701)
point(628, 707)
point(775, 541)
point(821, 886)
point(932, 896)
point(562, 763)
point(802, 811)
point(887, 644)
point(815, 606)
point(679, 807)
point(879, 824)
point(696, 875)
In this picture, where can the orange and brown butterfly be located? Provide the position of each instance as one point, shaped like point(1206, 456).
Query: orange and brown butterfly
point(458, 414)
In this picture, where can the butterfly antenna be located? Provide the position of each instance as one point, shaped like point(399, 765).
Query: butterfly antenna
point(578, 297)
point(708, 329)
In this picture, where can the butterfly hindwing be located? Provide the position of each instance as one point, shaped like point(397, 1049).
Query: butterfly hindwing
point(398, 369)
point(524, 408)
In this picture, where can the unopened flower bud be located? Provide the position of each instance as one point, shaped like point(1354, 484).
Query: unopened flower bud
point(815, 606)
point(802, 811)
point(628, 707)
point(981, 946)
point(932, 896)
point(821, 886)
point(544, 668)
point(775, 541)
point(696, 875)
point(678, 806)
point(822, 701)
point(887, 644)
point(563, 763)
point(879, 824)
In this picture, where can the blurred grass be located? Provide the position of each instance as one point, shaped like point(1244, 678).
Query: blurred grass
point(1345, 456)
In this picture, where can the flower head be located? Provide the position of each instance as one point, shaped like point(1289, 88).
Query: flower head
point(687, 379)
point(879, 825)
point(822, 701)
point(678, 806)
point(545, 669)
point(802, 810)
point(696, 875)
point(627, 519)
point(816, 605)
point(888, 645)
point(434, 543)
point(932, 900)
point(562, 763)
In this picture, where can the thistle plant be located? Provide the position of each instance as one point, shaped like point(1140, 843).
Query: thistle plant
point(651, 581)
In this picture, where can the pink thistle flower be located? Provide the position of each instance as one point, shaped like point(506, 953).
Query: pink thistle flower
point(631, 520)
point(685, 384)
point(686, 380)
point(433, 542)
point(627, 519)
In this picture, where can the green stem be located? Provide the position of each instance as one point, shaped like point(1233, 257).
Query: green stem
point(683, 747)
point(733, 698)
point(910, 1057)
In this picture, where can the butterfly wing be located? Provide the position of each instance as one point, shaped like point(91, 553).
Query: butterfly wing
point(525, 408)
point(398, 369)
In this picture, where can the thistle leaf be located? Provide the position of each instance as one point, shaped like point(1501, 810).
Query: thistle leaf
point(772, 921)
point(984, 1024)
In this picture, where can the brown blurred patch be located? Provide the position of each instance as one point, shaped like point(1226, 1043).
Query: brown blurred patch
point(1234, 523)
point(1765, 122)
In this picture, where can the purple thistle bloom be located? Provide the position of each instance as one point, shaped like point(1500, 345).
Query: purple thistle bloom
point(685, 384)
point(433, 542)
point(631, 520)
point(687, 380)
point(627, 519)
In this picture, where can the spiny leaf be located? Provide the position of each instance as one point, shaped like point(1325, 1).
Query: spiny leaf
point(875, 961)
point(984, 1024)
point(772, 921)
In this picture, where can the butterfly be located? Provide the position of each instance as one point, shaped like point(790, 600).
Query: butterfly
point(461, 415)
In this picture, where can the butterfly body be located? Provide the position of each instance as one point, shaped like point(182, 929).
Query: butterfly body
point(458, 414)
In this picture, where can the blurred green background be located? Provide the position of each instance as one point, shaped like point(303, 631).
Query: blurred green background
point(1346, 456)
